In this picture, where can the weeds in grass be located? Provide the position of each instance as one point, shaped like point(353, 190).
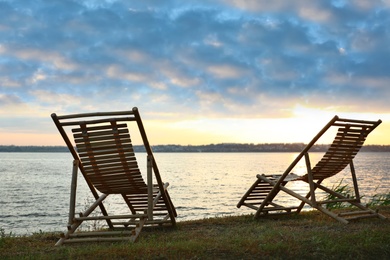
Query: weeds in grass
point(380, 200)
point(4, 237)
point(344, 190)
point(92, 225)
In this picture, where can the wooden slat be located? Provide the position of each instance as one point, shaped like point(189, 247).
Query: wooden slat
point(91, 139)
point(112, 172)
point(115, 177)
point(95, 128)
point(124, 150)
point(98, 114)
point(109, 171)
point(345, 146)
point(97, 164)
point(101, 133)
point(107, 149)
point(97, 121)
point(343, 142)
point(349, 136)
point(123, 183)
point(117, 180)
point(84, 144)
point(91, 165)
point(127, 155)
point(109, 144)
point(352, 130)
point(338, 155)
point(105, 161)
point(332, 163)
point(121, 179)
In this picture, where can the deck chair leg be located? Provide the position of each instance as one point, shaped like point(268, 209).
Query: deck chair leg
point(174, 213)
point(166, 198)
point(138, 229)
point(310, 179)
point(354, 180)
point(149, 179)
point(300, 207)
point(72, 204)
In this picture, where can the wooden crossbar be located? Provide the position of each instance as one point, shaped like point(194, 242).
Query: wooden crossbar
point(98, 114)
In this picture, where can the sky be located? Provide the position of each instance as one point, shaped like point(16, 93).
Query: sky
point(200, 72)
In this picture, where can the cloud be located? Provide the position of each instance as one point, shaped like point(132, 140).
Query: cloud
point(226, 59)
point(9, 100)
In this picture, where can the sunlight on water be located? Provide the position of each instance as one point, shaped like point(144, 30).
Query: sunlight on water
point(34, 187)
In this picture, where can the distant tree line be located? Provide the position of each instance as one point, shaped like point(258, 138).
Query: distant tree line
point(32, 149)
point(209, 148)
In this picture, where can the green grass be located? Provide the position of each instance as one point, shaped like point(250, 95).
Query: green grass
point(309, 235)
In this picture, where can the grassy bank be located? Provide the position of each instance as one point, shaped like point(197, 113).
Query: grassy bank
point(309, 235)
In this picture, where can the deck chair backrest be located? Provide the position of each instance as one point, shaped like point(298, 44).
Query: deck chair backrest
point(349, 139)
point(105, 150)
point(107, 156)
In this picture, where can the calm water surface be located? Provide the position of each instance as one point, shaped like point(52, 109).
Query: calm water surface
point(34, 187)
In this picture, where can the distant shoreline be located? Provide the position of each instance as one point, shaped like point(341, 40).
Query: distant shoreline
point(210, 148)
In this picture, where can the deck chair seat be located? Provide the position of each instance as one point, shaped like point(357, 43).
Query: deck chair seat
point(103, 152)
point(263, 195)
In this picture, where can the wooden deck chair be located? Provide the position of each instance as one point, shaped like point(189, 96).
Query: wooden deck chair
point(349, 138)
point(104, 155)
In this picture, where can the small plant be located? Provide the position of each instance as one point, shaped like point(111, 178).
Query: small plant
point(377, 200)
point(93, 225)
point(40, 232)
point(4, 237)
point(380, 200)
point(2, 233)
point(344, 190)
